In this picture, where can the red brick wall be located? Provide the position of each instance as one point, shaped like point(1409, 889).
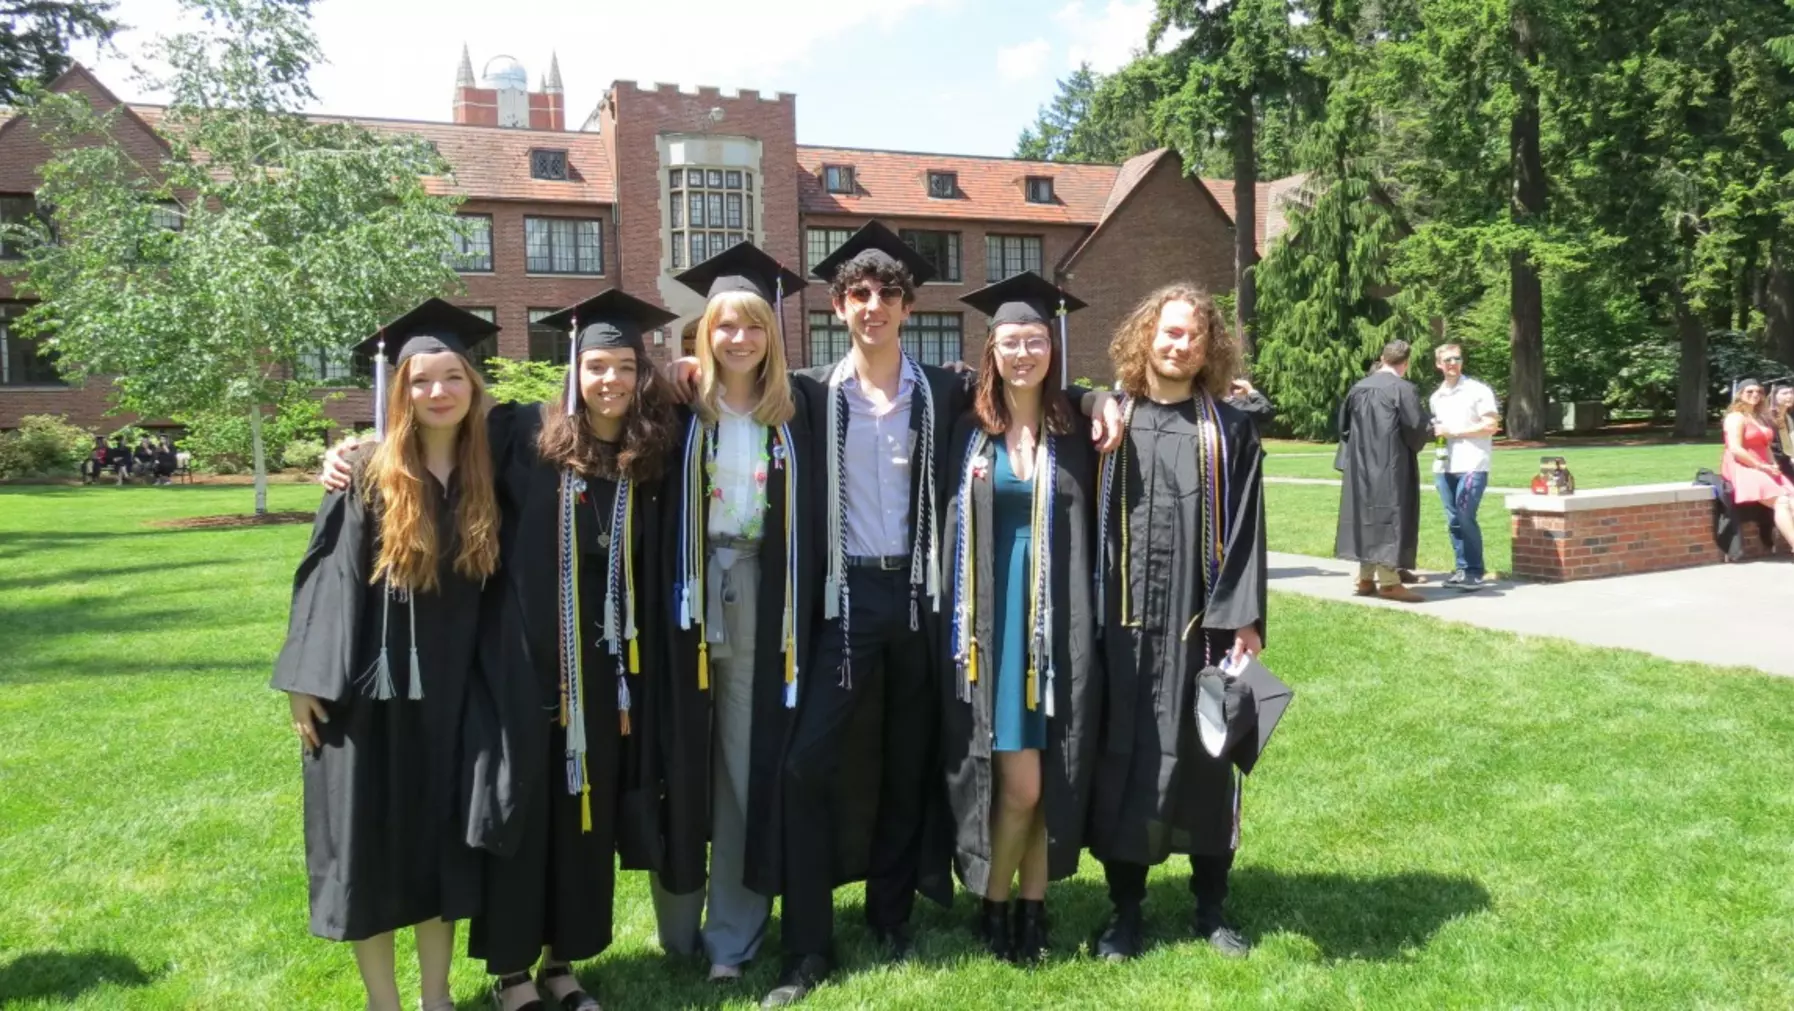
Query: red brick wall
point(1558, 547)
point(1169, 230)
point(634, 122)
point(942, 296)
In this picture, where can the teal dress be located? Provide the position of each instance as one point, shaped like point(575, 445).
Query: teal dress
point(1015, 726)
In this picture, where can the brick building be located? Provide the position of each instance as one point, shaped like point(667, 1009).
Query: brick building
point(658, 178)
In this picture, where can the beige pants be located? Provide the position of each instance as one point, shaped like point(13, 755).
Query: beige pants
point(1382, 575)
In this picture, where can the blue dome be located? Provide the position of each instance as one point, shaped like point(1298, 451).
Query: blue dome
point(504, 73)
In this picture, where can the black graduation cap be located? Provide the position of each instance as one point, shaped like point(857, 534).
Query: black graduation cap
point(742, 267)
point(610, 319)
point(431, 327)
point(1236, 713)
point(1025, 298)
point(874, 245)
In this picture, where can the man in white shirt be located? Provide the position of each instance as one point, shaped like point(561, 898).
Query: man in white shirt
point(1466, 415)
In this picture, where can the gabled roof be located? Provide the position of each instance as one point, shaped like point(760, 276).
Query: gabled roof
point(895, 184)
point(490, 162)
point(79, 78)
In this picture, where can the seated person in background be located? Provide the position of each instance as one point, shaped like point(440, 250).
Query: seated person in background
point(95, 464)
point(166, 462)
point(1746, 464)
point(118, 459)
point(1781, 420)
point(143, 459)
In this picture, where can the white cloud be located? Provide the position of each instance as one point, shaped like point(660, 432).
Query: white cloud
point(1019, 63)
point(1104, 33)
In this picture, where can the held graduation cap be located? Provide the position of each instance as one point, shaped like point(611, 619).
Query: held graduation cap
point(1236, 712)
point(877, 247)
point(610, 319)
point(432, 327)
point(1029, 298)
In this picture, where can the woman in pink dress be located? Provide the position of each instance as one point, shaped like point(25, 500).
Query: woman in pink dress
point(1747, 465)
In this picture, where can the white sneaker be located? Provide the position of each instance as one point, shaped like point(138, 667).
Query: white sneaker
point(724, 973)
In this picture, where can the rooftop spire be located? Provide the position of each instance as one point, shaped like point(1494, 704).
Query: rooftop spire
point(464, 75)
point(552, 84)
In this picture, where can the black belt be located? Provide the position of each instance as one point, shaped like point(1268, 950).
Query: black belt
point(883, 563)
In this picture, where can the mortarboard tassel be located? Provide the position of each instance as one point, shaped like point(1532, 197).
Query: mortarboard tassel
point(585, 797)
point(1064, 348)
point(573, 367)
point(415, 692)
point(380, 387)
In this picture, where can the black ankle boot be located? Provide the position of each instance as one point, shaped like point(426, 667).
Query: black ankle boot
point(1030, 937)
point(1122, 939)
point(993, 928)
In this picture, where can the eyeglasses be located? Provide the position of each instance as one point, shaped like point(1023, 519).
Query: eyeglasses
point(1033, 345)
point(861, 294)
point(1451, 361)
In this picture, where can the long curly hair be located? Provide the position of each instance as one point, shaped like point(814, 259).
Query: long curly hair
point(1131, 350)
point(396, 486)
point(566, 440)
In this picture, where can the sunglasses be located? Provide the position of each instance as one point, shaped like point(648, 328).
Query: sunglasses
point(861, 294)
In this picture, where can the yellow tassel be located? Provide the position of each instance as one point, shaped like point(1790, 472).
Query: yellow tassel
point(703, 664)
point(972, 663)
point(635, 660)
point(585, 797)
point(623, 718)
point(1030, 688)
point(790, 660)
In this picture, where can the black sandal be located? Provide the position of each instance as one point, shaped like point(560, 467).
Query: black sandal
point(577, 1000)
point(507, 982)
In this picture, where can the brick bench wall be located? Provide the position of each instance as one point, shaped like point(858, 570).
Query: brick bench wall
point(1617, 531)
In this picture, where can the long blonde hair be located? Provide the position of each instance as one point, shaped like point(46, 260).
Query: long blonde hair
point(1131, 350)
point(409, 540)
point(775, 407)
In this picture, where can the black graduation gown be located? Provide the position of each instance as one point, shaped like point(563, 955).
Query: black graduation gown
point(860, 770)
point(386, 823)
point(554, 885)
point(1156, 790)
point(1070, 757)
point(685, 765)
point(1381, 427)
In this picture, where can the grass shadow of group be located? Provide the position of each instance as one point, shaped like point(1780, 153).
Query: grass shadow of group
point(66, 975)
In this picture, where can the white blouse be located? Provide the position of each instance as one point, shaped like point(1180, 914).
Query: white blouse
point(740, 445)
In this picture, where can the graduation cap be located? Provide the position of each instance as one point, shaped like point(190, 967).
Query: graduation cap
point(1029, 298)
point(743, 267)
point(432, 327)
point(610, 319)
point(876, 247)
point(1236, 713)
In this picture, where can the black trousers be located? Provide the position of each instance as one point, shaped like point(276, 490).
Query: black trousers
point(881, 638)
point(1208, 882)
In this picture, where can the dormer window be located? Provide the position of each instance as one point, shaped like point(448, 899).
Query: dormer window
point(548, 163)
point(837, 178)
point(1040, 189)
point(943, 185)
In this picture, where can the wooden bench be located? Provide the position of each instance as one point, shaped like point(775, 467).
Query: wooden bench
point(1618, 531)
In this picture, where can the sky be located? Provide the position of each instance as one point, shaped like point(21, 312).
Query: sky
point(950, 76)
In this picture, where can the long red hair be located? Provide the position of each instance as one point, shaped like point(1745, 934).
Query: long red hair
point(410, 544)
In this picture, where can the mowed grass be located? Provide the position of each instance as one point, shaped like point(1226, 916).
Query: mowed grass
point(1303, 519)
point(1592, 466)
point(1448, 817)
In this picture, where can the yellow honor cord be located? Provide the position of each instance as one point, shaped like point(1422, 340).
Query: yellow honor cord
point(697, 519)
point(585, 797)
point(790, 659)
point(972, 589)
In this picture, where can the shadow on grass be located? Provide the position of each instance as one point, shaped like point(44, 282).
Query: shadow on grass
point(66, 975)
point(100, 576)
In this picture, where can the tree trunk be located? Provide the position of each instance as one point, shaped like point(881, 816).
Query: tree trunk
point(261, 461)
point(1691, 371)
point(1525, 417)
point(1245, 219)
point(1778, 307)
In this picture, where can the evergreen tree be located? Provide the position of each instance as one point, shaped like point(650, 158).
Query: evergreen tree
point(35, 36)
point(1086, 123)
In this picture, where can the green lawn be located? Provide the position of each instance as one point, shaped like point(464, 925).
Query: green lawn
point(1304, 518)
point(1593, 467)
point(1449, 817)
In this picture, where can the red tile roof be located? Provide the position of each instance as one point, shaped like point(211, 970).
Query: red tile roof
point(492, 163)
point(895, 184)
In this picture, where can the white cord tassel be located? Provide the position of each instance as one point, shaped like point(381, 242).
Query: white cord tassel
point(573, 368)
point(383, 669)
point(416, 691)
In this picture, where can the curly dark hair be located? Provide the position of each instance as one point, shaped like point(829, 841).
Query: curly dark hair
point(1131, 350)
point(992, 410)
point(854, 271)
point(641, 455)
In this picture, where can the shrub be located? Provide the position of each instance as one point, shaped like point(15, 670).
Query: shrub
point(302, 454)
point(43, 445)
point(220, 441)
point(525, 382)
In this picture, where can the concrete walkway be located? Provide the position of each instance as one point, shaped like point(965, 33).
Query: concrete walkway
point(1724, 615)
point(1425, 485)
